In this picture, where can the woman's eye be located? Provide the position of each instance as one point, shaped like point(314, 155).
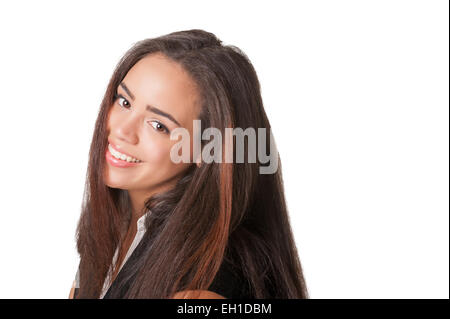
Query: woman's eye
point(123, 102)
point(159, 127)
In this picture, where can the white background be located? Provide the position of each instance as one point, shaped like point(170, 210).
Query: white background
point(357, 95)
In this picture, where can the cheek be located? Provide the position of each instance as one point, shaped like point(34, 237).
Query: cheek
point(111, 119)
point(158, 153)
point(158, 157)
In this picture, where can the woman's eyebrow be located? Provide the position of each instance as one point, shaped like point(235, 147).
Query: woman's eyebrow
point(153, 109)
point(150, 108)
point(126, 89)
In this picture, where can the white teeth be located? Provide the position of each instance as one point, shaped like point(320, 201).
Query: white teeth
point(121, 156)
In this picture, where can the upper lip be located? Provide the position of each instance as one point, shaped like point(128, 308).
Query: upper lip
point(120, 149)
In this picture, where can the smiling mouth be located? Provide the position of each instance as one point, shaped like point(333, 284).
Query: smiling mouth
point(121, 156)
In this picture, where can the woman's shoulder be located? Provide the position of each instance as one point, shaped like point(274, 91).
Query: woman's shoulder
point(230, 282)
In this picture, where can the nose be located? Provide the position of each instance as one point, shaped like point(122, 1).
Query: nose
point(126, 129)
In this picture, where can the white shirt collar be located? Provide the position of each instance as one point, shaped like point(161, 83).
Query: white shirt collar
point(141, 222)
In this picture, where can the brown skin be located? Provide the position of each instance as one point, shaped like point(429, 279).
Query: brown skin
point(157, 81)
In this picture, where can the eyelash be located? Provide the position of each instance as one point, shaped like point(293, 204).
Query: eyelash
point(120, 96)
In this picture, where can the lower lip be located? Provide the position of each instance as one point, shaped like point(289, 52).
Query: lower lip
point(117, 162)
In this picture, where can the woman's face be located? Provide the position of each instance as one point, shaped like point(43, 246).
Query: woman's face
point(155, 97)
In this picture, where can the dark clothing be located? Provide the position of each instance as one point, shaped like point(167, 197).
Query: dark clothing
point(228, 282)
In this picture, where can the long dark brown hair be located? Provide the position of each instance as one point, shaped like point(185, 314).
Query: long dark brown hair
point(215, 211)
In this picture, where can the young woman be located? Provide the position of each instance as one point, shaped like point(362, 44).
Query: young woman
point(152, 227)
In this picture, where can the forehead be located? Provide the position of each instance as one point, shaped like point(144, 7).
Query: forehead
point(160, 82)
